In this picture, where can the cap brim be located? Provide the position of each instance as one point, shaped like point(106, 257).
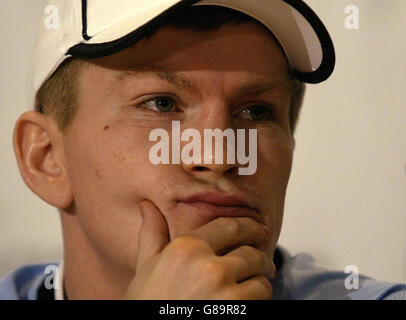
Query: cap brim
point(312, 59)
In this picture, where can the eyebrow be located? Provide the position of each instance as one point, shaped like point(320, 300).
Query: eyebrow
point(168, 75)
point(253, 88)
point(261, 86)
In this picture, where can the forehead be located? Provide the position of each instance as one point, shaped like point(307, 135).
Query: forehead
point(234, 47)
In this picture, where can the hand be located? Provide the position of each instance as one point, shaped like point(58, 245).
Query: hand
point(215, 261)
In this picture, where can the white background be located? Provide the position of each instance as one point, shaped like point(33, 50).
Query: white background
point(346, 201)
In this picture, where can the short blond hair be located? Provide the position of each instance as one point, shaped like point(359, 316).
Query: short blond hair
point(58, 96)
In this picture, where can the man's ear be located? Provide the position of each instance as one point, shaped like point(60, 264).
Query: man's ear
point(40, 154)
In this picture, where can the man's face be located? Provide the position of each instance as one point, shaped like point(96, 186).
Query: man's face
point(204, 80)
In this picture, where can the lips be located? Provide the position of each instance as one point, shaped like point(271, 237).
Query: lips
point(216, 204)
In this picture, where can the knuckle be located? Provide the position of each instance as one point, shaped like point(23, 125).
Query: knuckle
point(255, 255)
point(214, 272)
point(230, 226)
point(262, 280)
point(262, 257)
point(251, 223)
point(184, 247)
point(266, 286)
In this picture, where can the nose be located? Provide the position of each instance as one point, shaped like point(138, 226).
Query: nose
point(211, 171)
point(218, 156)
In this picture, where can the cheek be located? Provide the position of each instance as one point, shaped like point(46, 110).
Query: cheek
point(109, 161)
point(110, 174)
point(123, 158)
point(276, 164)
point(124, 165)
point(275, 155)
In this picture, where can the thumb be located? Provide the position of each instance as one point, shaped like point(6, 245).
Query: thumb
point(154, 233)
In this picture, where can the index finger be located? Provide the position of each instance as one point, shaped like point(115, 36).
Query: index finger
point(226, 233)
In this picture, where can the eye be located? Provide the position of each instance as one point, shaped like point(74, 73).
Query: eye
point(258, 113)
point(159, 104)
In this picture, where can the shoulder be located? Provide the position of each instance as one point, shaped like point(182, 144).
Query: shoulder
point(300, 277)
point(23, 282)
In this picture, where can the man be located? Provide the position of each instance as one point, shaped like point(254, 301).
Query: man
point(112, 74)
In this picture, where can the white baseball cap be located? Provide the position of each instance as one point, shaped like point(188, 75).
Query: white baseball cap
point(98, 28)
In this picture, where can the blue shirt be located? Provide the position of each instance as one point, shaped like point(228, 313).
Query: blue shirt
point(297, 278)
